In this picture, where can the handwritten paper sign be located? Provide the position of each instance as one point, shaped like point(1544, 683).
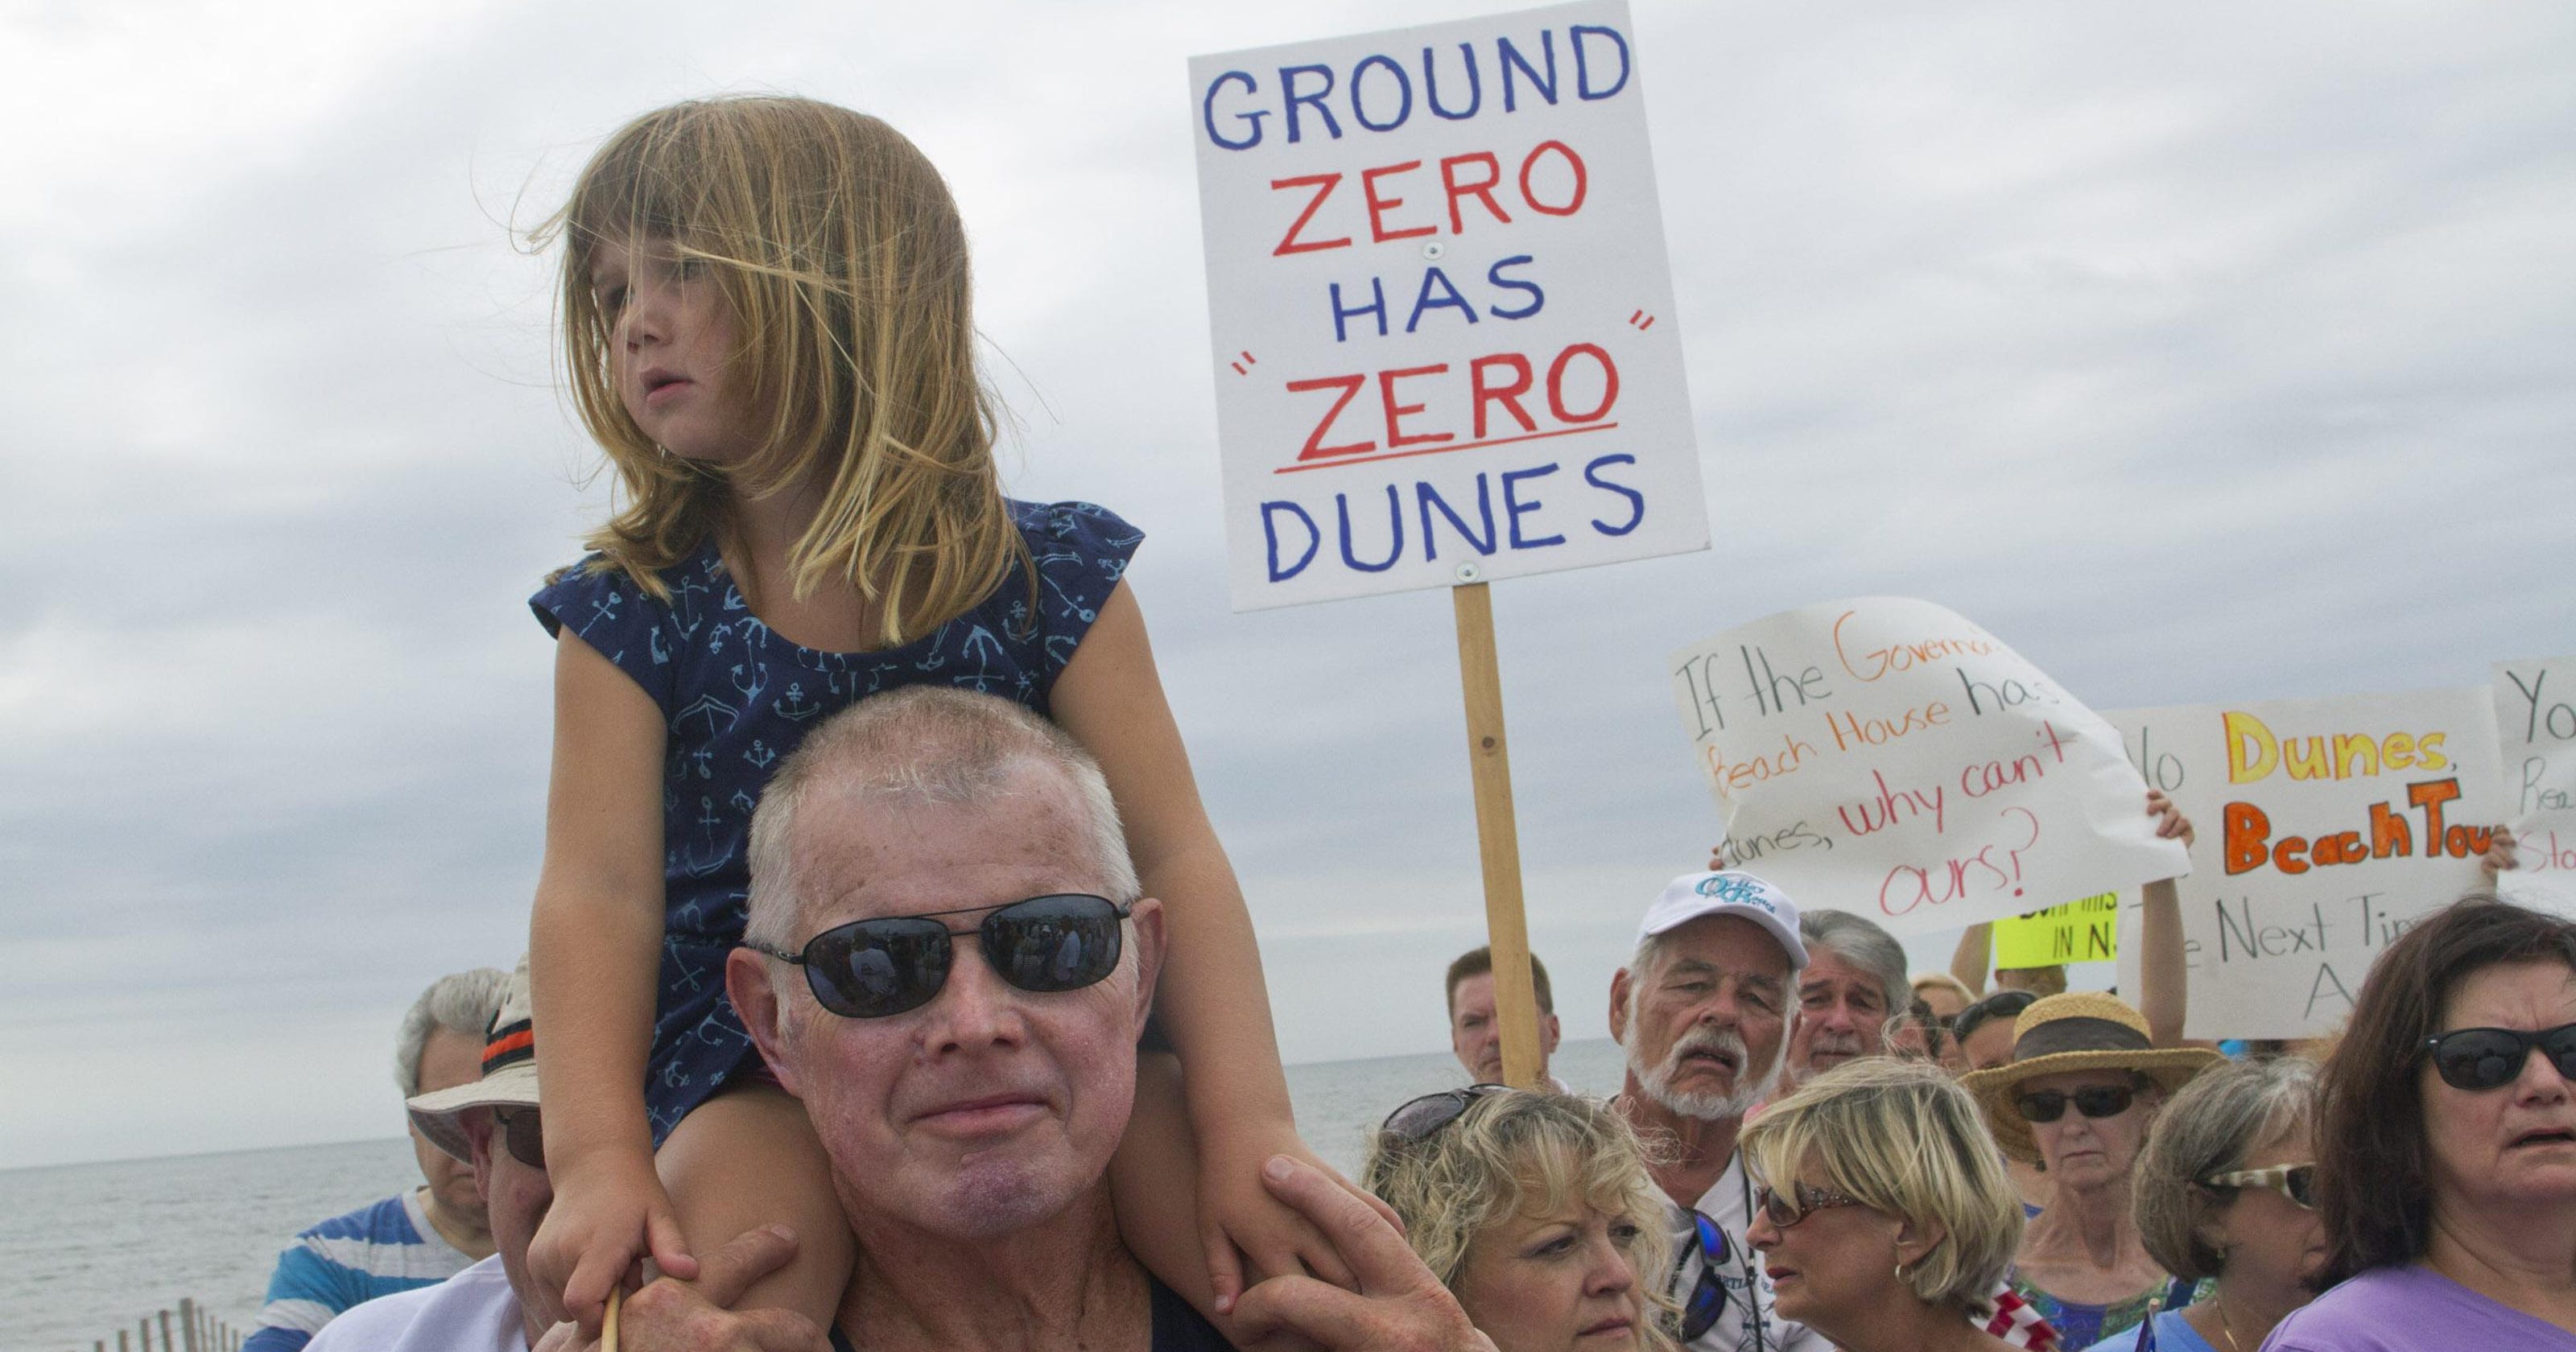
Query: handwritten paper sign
point(2535, 704)
point(2326, 827)
point(1446, 347)
point(2079, 931)
point(1888, 757)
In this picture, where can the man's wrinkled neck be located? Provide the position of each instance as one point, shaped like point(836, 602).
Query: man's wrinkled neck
point(1063, 1283)
point(1701, 1146)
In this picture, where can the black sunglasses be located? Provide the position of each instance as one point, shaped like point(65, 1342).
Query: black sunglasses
point(1707, 1298)
point(2491, 1058)
point(2101, 1100)
point(869, 969)
point(1421, 1118)
point(523, 1133)
point(2298, 1182)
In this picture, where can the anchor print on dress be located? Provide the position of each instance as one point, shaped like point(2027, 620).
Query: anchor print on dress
point(793, 706)
point(706, 858)
point(984, 650)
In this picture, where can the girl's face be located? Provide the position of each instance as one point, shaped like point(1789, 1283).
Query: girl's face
point(2082, 1152)
point(2272, 1243)
point(1565, 1281)
point(672, 349)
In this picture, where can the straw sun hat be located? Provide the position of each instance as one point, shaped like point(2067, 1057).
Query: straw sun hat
point(2081, 1030)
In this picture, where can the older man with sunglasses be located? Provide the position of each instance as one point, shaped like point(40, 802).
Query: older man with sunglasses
point(491, 1123)
point(949, 963)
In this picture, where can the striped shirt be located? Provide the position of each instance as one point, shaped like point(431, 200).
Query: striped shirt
point(373, 1251)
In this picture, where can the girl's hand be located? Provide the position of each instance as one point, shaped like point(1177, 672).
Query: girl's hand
point(1242, 1224)
point(607, 1214)
point(2170, 824)
point(2500, 855)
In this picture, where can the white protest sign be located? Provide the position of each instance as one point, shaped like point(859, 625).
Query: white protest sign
point(2535, 703)
point(1445, 340)
point(2326, 827)
point(1887, 757)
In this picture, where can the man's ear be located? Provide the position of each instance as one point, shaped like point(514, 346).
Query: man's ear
point(477, 1126)
point(1550, 1033)
point(747, 981)
point(1146, 920)
point(1619, 992)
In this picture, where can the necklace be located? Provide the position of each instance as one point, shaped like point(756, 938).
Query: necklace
point(2224, 1327)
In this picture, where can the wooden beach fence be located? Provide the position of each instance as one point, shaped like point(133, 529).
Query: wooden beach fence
point(192, 1328)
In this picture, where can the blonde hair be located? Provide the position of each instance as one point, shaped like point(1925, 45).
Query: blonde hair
point(843, 259)
point(1526, 1153)
point(1906, 1141)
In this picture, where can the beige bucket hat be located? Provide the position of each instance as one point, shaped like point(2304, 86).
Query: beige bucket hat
point(509, 1074)
point(2079, 1030)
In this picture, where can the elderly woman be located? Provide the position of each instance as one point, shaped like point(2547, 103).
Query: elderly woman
point(2224, 1192)
point(2446, 1164)
point(1883, 1218)
point(2076, 1098)
point(1537, 1212)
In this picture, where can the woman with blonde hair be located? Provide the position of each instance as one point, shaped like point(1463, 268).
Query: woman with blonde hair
point(1884, 1217)
point(1536, 1211)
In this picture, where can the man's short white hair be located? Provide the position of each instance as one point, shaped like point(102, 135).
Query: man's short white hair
point(1860, 941)
point(923, 745)
point(460, 1002)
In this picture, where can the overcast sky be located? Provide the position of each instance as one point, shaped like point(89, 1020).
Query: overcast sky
point(2201, 351)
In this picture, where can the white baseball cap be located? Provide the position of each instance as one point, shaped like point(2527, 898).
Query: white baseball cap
point(1693, 895)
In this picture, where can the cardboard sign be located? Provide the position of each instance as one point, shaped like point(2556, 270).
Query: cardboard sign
point(2535, 705)
point(2079, 931)
point(1887, 757)
point(2326, 827)
point(1445, 340)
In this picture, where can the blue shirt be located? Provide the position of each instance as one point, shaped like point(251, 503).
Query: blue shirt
point(2172, 1335)
point(736, 699)
point(348, 1260)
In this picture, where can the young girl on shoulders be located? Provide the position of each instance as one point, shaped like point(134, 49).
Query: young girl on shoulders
point(766, 325)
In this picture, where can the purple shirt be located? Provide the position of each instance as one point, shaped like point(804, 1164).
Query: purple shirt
point(2401, 1309)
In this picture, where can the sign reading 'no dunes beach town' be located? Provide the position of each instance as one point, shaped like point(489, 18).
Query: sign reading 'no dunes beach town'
point(1886, 756)
point(1442, 318)
point(2326, 828)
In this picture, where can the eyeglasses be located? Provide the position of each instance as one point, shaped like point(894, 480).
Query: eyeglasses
point(1784, 1211)
point(1707, 1298)
point(869, 969)
point(1421, 1118)
point(524, 1135)
point(2101, 1100)
point(2490, 1058)
point(2298, 1182)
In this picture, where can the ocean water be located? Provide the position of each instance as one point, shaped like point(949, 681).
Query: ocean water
point(87, 1248)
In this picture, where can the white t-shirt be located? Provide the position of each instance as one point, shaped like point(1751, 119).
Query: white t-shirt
point(473, 1311)
point(1740, 1327)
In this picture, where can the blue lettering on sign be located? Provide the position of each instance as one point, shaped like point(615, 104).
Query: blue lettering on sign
point(1294, 534)
point(1377, 89)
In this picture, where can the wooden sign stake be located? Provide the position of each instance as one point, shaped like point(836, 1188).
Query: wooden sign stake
point(1498, 842)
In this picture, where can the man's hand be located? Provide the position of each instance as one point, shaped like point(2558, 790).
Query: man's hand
point(1399, 1307)
point(670, 1315)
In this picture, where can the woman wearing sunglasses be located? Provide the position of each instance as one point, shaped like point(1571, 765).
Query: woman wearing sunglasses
point(2076, 1099)
point(2446, 1165)
point(1537, 1212)
point(1884, 1218)
point(2224, 1195)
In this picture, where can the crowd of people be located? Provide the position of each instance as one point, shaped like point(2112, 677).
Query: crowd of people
point(896, 992)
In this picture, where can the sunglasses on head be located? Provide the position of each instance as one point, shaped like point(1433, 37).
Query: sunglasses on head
point(2491, 1058)
point(1421, 1118)
point(523, 1134)
point(1787, 1209)
point(2101, 1100)
point(1707, 1298)
point(869, 969)
point(2298, 1182)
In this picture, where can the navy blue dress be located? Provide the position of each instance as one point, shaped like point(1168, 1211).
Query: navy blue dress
point(737, 698)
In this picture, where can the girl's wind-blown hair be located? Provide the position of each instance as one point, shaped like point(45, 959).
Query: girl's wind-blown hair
point(843, 259)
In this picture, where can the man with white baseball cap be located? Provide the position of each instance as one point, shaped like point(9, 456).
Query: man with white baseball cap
point(1703, 1009)
point(491, 1122)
